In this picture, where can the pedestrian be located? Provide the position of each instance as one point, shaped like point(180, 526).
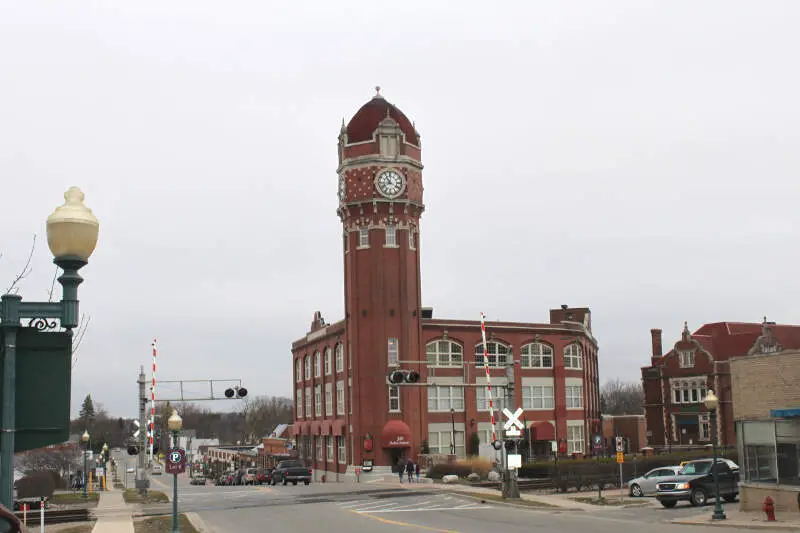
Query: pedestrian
point(400, 469)
point(410, 470)
point(416, 467)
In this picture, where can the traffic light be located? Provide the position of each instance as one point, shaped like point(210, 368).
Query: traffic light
point(398, 377)
point(238, 392)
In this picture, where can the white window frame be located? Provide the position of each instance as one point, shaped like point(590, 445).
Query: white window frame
point(320, 448)
point(574, 396)
point(573, 356)
point(346, 241)
point(394, 399)
point(391, 236)
point(439, 442)
point(393, 351)
point(329, 456)
point(298, 370)
point(299, 402)
point(538, 397)
point(575, 439)
point(341, 449)
point(328, 399)
point(307, 361)
point(442, 398)
point(328, 367)
point(412, 245)
point(339, 351)
point(340, 397)
point(686, 358)
point(363, 238)
point(496, 360)
point(444, 353)
point(317, 365)
point(308, 403)
point(704, 426)
point(688, 390)
point(535, 355)
point(498, 398)
point(318, 400)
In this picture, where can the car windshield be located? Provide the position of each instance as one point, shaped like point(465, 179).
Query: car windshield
point(696, 468)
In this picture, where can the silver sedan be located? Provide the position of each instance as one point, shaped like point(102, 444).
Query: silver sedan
point(646, 484)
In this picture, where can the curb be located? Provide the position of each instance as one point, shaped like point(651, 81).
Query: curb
point(736, 525)
point(198, 523)
point(543, 506)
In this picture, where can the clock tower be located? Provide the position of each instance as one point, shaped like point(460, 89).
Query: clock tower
point(380, 205)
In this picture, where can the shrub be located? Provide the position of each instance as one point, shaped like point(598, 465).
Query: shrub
point(38, 484)
point(449, 469)
point(474, 444)
point(478, 465)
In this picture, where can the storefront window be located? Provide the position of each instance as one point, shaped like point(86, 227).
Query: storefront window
point(787, 438)
point(758, 442)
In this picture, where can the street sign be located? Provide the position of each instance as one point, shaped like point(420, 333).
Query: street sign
point(514, 460)
point(513, 432)
point(513, 419)
point(620, 444)
point(135, 428)
point(176, 461)
point(620, 457)
point(553, 446)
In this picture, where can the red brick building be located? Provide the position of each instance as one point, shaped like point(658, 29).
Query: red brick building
point(632, 428)
point(346, 413)
point(676, 383)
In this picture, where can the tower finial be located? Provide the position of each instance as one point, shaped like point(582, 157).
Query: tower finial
point(378, 91)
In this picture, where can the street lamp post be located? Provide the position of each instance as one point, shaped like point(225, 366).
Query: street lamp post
point(453, 431)
point(85, 439)
point(105, 466)
point(711, 403)
point(72, 232)
point(175, 423)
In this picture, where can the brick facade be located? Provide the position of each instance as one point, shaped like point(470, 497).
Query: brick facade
point(346, 413)
point(765, 381)
point(633, 428)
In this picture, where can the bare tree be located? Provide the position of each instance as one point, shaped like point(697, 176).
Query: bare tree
point(63, 460)
point(263, 413)
point(26, 270)
point(621, 398)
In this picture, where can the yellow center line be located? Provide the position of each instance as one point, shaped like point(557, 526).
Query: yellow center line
point(404, 524)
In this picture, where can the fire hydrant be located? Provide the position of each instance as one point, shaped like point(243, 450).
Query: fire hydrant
point(769, 509)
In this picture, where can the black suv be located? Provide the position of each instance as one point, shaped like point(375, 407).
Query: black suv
point(695, 483)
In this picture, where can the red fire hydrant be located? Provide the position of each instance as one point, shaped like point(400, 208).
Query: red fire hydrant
point(769, 509)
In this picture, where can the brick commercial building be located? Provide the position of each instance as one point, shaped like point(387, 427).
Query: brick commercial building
point(766, 407)
point(346, 413)
point(675, 383)
point(632, 428)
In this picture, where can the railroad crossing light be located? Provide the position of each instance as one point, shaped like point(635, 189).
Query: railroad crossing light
point(412, 376)
point(397, 377)
point(133, 450)
point(510, 445)
point(241, 392)
point(497, 445)
point(229, 393)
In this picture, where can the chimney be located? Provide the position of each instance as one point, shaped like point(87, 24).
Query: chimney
point(655, 335)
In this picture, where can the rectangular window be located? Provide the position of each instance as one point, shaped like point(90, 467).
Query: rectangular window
point(317, 365)
point(689, 390)
point(439, 442)
point(328, 367)
point(444, 353)
point(328, 399)
point(308, 367)
point(339, 358)
point(329, 445)
point(574, 396)
point(391, 236)
point(393, 352)
point(340, 397)
point(318, 400)
point(394, 399)
point(346, 239)
point(574, 439)
point(299, 402)
point(411, 244)
point(704, 423)
point(342, 450)
point(319, 456)
point(540, 397)
point(442, 399)
point(762, 461)
point(350, 395)
point(686, 358)
point(363, 238)
point(298, 370)
point(309, 412)
point(498, 398)
point(573, 357)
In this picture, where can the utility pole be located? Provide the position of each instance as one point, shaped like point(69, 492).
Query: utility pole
point(510, 485)
point(142, 482)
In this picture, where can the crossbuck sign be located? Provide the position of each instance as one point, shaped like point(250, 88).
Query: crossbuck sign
point(513, 424)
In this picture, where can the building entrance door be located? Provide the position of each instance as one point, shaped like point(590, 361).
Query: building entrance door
point(396, 458)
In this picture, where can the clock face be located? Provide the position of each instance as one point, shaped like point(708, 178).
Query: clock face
point(390, 183)
point(341, 187)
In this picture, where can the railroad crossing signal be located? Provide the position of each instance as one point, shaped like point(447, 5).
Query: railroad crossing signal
point(135, 429)
point(620, 444)
point(513, 419)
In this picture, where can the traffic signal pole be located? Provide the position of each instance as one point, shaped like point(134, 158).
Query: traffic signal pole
point(142, 482)
point(510, 482)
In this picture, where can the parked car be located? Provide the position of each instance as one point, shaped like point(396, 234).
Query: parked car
point(293, 471)
point(646, 485)
point(197, 479)
point(264, 475)
point(249, 477)
point(157, 470)
point(695, 483)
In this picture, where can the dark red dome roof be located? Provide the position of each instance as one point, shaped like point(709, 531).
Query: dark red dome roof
point(366, 120)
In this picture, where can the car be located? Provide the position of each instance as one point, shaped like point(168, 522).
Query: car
point(131, 470)
point(157, 470)
point(291, 471)
point(197, 480)
point(694, 483)
point(646, 485)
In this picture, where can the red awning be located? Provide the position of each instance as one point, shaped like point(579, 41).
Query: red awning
point(315, 427)
point(543, 430)
point(338, 428)
point(325, 427)
point(396, 434)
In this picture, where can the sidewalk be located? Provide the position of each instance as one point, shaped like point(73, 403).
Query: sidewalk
point(114, 515)
point(741, 519)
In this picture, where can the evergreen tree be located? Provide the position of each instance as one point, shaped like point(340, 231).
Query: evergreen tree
point(87, 413)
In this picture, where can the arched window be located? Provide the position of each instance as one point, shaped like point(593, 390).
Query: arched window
point(298, 370)
point(328, 362)
point(536, 355)
point(339, 351)
point(444, 353)
point(317, 365)
point(497, 352)
point(308, 366)
point(573, 357)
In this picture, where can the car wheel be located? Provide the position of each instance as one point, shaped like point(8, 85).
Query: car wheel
point(285, 482)
point(730, 498)
point(307, 482)
point(698, 497)
point(636, 491)
point(294, 483)
point(669, 504)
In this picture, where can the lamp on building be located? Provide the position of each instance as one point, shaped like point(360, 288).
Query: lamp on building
point(711, 403)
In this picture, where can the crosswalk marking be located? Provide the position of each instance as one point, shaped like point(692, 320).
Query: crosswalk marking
point(411, 505)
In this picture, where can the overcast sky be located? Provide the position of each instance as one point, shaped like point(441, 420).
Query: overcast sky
point(640, 158)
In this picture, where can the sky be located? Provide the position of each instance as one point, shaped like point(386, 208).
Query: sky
point(637, 157)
